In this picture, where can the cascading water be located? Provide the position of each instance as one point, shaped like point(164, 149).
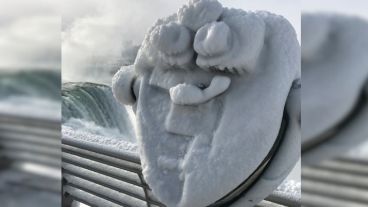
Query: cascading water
point(30, 92)
point(91, 107)
point(30, 83)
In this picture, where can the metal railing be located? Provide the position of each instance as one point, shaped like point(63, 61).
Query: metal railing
point(92, 174)
point(338, 182)
point(31, 140)
point(100, 177)
point(30, 154)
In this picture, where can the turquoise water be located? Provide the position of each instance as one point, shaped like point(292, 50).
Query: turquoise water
point(45, 84)
point(92, 107)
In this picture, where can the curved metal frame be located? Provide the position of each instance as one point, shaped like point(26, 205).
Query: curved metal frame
point(234, 195)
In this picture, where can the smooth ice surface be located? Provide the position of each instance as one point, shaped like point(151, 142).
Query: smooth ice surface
point(211, 84)
point(334, 67)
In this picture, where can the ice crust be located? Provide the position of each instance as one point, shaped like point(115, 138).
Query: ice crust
point(187, 94)
point(334, 64)
point(289, 189)
point(109, 143)
point(211, 84)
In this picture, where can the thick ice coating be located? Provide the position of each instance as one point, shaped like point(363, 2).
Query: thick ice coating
point(232, 44)
point(187, 94)
point(122, 88)
point(211, 85)
point(199, 12)
point(173, 42)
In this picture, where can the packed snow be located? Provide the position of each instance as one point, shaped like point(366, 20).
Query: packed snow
point(91, 127)
point(187, 94)
point(289, 189)
point(109, 143)
point(209, 86)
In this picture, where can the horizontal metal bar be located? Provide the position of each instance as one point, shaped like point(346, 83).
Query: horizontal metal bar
point(107, 183)
point(359, 161)
point(103, 179)
point(103, 192)
point(344, 167)
point(41, 186)
point(102, 158)
point(104, 169)
point(334, 177)
point(88, 198)
point(113, 184)
point(29, 157)
point(317, 200)
point(30, 130)
point(31, 121)
point(93, 192)
point(24, 147)
point(31, 140)
point(335, 191)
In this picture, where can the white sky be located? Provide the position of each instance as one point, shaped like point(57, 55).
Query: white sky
point(290, 9)
point(29, 34)
point(29, 30)
point(95, 30)
point(351, 7)
point(139, 15)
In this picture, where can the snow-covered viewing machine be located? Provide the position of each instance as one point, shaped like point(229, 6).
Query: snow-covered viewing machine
point(215, 98)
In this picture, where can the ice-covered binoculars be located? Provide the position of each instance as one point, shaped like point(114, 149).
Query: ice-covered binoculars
point(216, 94)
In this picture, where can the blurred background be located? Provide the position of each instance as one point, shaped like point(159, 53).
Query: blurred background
point(334, 103)
point(30, 103)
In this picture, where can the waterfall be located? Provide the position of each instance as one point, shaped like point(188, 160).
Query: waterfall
point(93, 107)
point(31, 83)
